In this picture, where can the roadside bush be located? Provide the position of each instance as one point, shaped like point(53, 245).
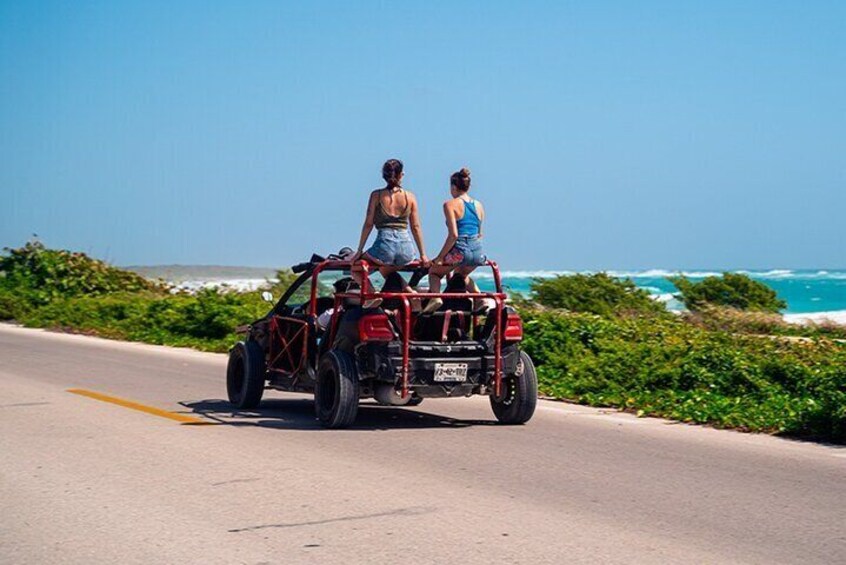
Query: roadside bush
point(723, 318)
point(598, 293)
point(666, 367)
point(735, 290)
point(206, 320)
point(38, 275)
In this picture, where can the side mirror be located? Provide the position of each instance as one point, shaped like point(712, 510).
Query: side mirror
point(267, 297)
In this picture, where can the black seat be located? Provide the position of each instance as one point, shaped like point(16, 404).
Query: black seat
point(451, 322)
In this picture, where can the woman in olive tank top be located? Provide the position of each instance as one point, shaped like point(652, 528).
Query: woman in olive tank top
point(392, 210)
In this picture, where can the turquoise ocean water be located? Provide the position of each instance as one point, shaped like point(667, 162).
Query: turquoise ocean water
point(805, 291)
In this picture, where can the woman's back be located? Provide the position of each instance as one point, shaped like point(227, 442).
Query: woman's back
point(470, 222)
point(393, 209)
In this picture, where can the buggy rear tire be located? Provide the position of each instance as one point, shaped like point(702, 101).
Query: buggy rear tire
point(245, 374)
point(336, 392)
point(518, 395)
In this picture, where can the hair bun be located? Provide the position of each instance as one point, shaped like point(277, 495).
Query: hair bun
point(465, 172)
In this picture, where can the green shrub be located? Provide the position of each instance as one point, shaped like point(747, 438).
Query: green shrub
point(206, 320)
point(667, 367)
point(40, 275)
point(724, 318)
point(735, 290)
point(599, 294)
point(12, 306)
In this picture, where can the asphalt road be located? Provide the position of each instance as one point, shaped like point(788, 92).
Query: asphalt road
point(86, 481)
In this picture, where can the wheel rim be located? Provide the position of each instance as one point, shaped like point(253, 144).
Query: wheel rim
point(507, 391)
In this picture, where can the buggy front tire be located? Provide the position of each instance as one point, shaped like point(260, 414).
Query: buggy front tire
point(518, 394)
point(245, 374)
point(336, 393)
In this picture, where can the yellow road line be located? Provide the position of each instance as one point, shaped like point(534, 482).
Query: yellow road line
point(182, 418)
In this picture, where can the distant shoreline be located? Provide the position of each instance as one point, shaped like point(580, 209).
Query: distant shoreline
point(180, 273)
point(238, 278)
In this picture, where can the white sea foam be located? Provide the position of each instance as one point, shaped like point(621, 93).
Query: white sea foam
point(485, 273)
point(663, 273)
point(238, 285)
point(836, 316)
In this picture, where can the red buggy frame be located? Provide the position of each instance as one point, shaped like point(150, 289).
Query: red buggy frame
point(395, 354)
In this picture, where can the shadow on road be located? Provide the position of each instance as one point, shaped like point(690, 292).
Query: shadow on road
point(298, 414)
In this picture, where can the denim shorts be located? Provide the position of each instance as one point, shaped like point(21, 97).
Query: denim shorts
point(467, 252)
point(392, 247)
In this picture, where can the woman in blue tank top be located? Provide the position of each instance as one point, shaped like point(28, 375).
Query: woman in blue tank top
point(462, 251)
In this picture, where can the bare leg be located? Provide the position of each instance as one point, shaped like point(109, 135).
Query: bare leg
point(357, 274)
point(435, 275)
point(386, 270)
point(471, 285)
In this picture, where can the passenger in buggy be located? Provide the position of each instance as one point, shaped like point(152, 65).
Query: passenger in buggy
point(462, 251)
point(454, 315)
point(393, 211)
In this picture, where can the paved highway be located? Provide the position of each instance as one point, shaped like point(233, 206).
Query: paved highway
point(88, 481)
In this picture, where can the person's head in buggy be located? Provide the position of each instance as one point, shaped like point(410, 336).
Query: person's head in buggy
point(346, 284)
point(391, 210)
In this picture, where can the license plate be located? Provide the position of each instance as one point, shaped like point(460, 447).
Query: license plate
point(452, 372)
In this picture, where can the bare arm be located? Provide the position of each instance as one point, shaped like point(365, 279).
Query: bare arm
point(368, 223)
point(417, 231)
point(481, 211)
point(452, 232)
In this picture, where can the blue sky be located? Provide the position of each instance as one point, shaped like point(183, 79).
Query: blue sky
point(615, 135)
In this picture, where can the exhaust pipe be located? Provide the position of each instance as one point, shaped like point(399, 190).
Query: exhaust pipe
point(386, 395)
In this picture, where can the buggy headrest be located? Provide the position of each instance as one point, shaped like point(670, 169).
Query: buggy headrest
point(458, 284)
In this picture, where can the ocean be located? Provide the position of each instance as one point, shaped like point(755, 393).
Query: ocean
point(805, 291)
point(810, 294)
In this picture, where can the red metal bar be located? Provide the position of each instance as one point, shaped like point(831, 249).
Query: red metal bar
point(379, 294)
point(365, 280)
point(406, 339)
point(312, 300)
point(497, 280)
point(366, 293)
point(333, 321)
point(498, 349)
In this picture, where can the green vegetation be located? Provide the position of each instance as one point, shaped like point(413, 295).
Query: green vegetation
point(599, 294)
point(612, 346)
point(45, 274)
point(46, 288)
point(668, 367)
point(723, 318)
point(731, 289)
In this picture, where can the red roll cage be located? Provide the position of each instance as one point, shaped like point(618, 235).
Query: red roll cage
point(368, 293)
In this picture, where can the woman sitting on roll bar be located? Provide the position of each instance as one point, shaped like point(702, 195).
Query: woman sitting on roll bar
point(462, 251)
point(390, 209)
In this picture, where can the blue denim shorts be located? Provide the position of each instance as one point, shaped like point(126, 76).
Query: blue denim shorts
point(467, 252)
point(392, 247)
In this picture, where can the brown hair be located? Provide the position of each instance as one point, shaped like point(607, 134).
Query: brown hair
point(391, 171)
point(461, 179)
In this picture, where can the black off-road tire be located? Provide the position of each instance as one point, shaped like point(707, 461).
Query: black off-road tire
point(245, 374)
point(336, 393)
point(518, 395)
point(415, 401)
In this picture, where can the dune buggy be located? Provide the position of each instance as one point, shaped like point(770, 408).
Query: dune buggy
point(323, 341)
